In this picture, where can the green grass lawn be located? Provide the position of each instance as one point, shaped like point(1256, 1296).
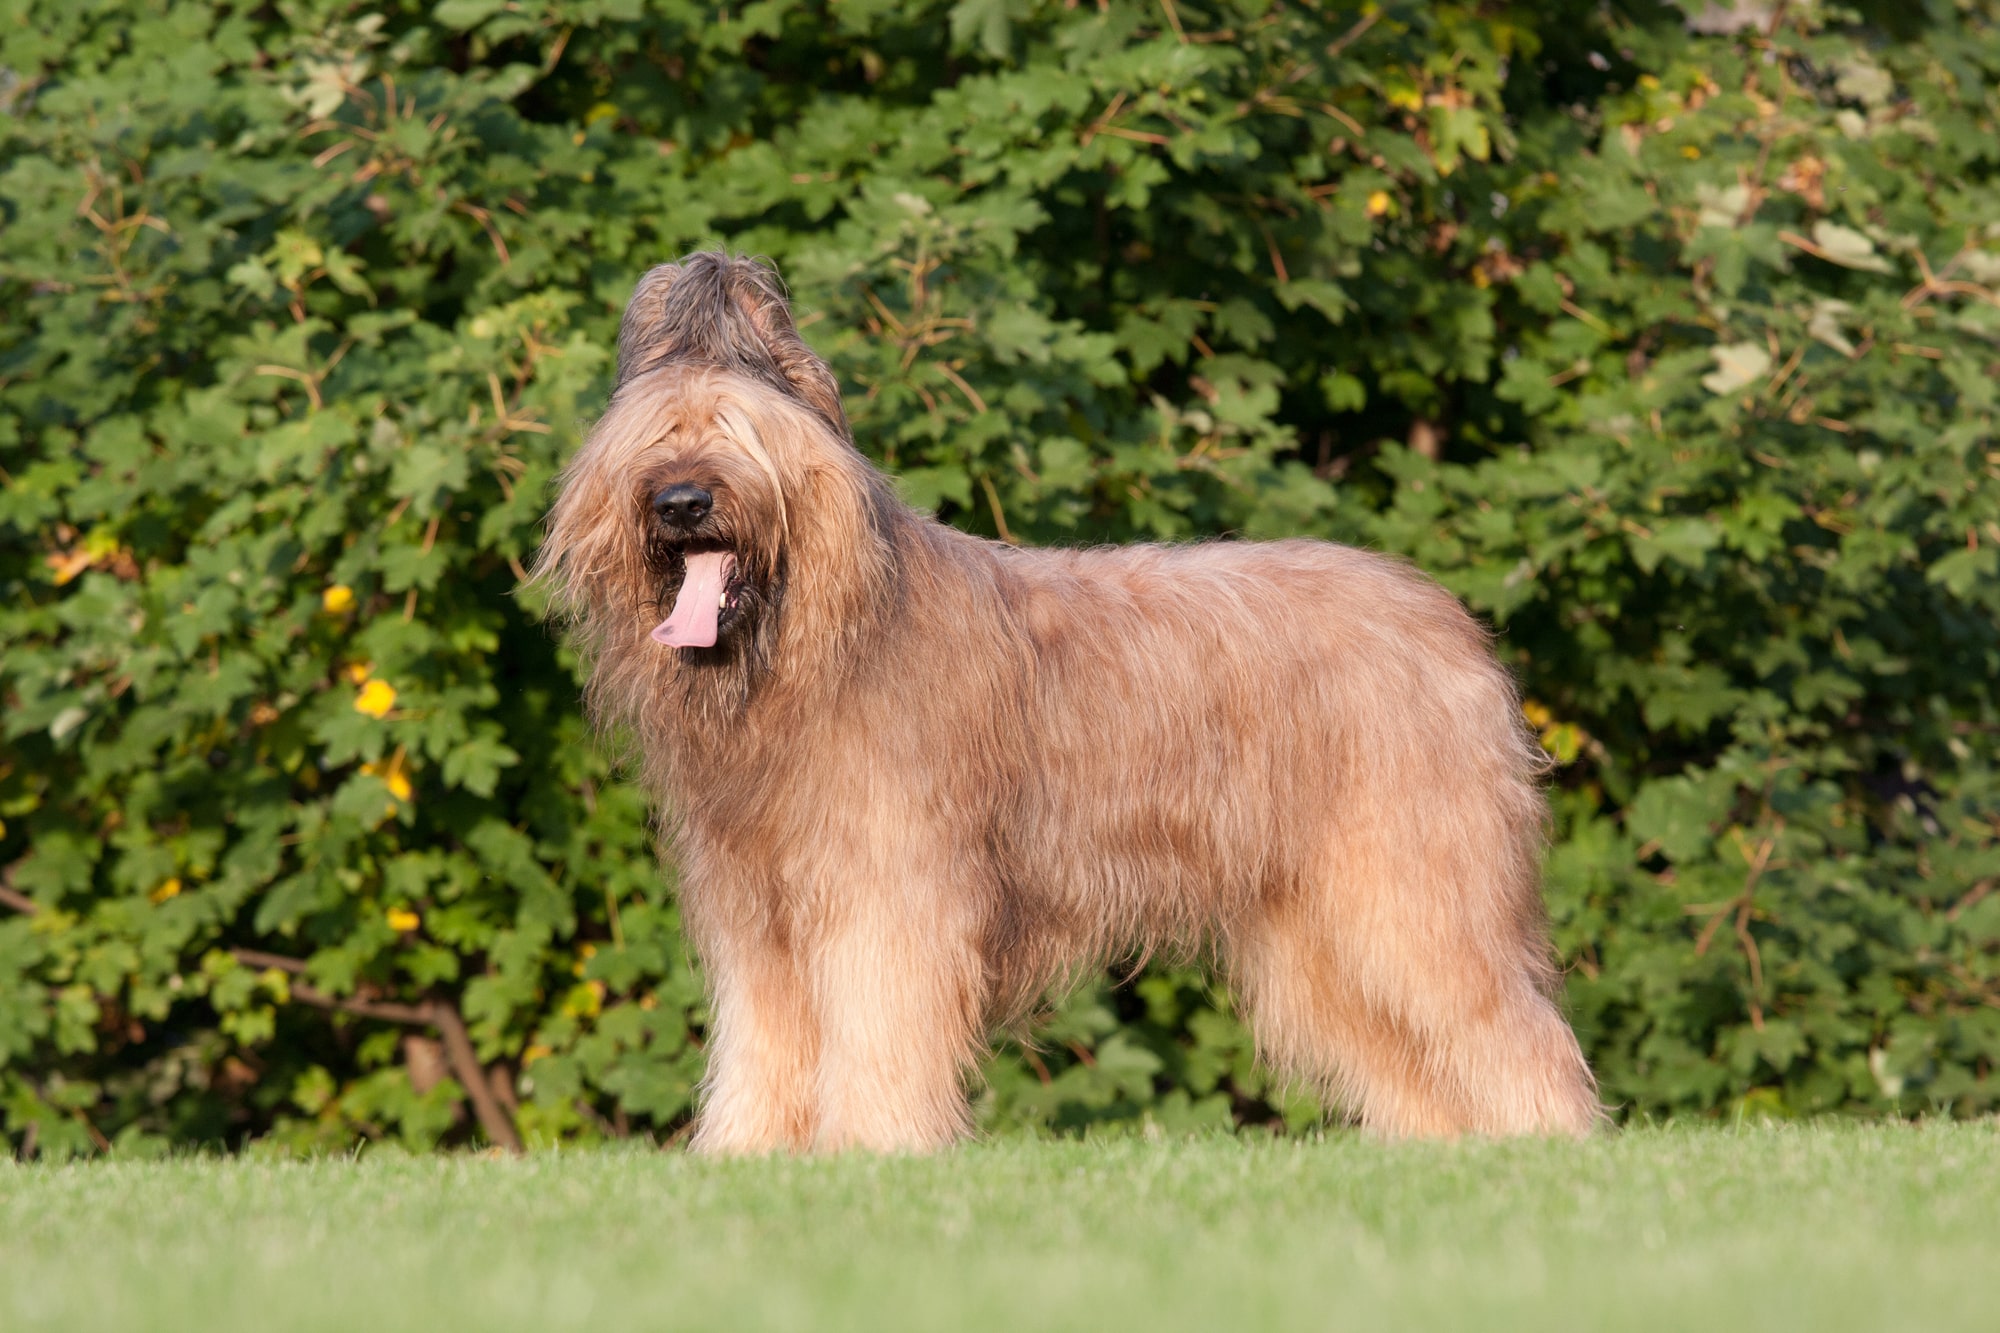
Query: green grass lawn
point(1797, 1228)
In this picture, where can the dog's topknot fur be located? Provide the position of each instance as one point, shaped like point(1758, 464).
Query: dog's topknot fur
point(729, 313)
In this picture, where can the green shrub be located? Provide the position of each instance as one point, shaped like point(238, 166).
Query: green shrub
point(1673, 353)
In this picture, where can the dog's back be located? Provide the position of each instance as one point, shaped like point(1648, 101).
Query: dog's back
point(1266, 704)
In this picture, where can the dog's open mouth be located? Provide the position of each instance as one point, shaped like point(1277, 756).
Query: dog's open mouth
point(709, 596)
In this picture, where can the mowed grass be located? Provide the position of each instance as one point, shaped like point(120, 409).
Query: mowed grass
point(1815, 1227)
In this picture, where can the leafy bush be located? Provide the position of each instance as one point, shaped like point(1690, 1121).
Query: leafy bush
point(1672, 351)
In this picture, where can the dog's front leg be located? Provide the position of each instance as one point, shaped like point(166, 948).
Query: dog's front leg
point(763, 1045)
point(896, 986)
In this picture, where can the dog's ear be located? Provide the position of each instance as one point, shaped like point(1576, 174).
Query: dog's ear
point(712, 309)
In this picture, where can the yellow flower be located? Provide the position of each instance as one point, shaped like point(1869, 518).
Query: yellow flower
point(1405, 95)
point(585, 1001)
point(377, 697)
point(337, 599)
point(1379, 203)
point(358, 671)
point(171, 888)
point(393, 776)
point(403, 919)
point(1564, 741)
point(1690, 152)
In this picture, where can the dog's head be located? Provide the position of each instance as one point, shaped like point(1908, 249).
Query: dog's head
point(699, 455)
point(720, 499)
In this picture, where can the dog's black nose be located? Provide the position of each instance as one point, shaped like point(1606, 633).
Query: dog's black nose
point(683, 505)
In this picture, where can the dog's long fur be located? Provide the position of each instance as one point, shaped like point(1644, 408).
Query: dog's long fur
point(922, 776)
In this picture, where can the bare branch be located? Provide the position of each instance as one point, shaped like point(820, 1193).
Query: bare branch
point(465, 1067)
point(441, 1015)
point(258, 958)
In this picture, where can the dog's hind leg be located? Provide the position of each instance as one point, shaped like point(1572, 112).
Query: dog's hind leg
point(1437, 903)
point(1419, 1037)
point(1407, 973)
point(1507, 1057)
point(1312, 1023)
point(1437, 964)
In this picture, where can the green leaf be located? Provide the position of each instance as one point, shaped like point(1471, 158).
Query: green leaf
point(460, 15)
point(476, 765)
point(1685, 541)
point(1678, 814)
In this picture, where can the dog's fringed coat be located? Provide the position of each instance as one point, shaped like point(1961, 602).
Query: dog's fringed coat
point(913, 778)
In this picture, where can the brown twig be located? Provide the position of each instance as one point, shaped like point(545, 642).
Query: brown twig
point(1757, 863)
point(972, 397)
point(555, 54)
point(1277, 255)
point(471, 1075)
point(387, 1010)
point(286, 372)
point(485, 219)
point(999, 515)
point(1346, 39)
point(1353, 126)
point(1756, 960)
point(1575, 311)
point(1742, 906)
point(258, 958)
point(1092, 130)
point(1978, 891)
point(439, 1014)
point(1137, 136)
point(1937, 283)
point(1785, 371)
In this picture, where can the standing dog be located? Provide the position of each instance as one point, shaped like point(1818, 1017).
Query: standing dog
point(913, 778)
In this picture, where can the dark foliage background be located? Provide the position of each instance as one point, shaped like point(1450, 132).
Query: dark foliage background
point(1667, 338)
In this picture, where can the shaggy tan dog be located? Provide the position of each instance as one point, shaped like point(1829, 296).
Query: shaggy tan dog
point(914, 778)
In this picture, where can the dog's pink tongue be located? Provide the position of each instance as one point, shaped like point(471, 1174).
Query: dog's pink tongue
point(692, 625)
